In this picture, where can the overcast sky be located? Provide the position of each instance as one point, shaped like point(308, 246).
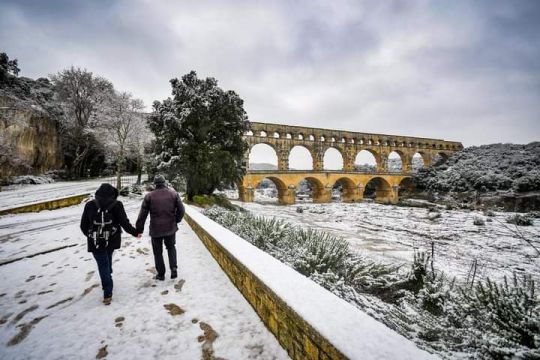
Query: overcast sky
point(458, 70)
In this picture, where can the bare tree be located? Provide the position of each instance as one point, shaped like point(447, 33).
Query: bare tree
point(82, 96)
point(120, 127)
point(141, 138)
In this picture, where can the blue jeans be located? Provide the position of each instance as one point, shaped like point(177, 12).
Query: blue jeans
point(104, 263)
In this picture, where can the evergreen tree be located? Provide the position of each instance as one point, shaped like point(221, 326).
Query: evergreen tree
point(199, 134)
point(8, 68)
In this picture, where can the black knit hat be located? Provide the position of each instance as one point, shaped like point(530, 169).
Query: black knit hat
point(159, 179)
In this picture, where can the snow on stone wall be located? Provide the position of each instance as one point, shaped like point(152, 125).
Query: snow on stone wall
point(309, 321)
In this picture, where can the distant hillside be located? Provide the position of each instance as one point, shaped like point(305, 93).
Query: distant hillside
point(486, 168)
point(262, 166)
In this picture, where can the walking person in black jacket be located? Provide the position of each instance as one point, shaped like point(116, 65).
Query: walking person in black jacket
point(166, 211)
point(100, 223)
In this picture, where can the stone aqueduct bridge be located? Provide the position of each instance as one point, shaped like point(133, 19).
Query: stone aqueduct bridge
point(282, 138)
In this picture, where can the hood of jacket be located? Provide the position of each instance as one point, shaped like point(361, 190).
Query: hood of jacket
point(106, 194)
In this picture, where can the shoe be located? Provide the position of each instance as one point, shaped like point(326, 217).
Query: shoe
point(160, 277)
point(174, 274)
point(107, 300)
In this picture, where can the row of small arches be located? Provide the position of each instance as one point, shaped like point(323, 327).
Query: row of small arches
point(342, 140)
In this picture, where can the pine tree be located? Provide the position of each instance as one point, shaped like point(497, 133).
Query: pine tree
point(199, 134)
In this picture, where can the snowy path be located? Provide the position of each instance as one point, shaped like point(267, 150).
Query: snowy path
point(16, 195)
point(50, 305)
point(392, 233)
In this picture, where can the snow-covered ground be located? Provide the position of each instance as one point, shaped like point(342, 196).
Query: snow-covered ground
point(392, 233)
point(50, 305)
point(16, 195)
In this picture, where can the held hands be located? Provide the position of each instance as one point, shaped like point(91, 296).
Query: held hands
point(139, 236)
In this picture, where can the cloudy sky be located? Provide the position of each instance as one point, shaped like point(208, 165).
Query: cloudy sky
point(458, 70)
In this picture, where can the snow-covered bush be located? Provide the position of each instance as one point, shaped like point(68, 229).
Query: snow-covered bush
point(136, 189)
point(486, 320)
point(505, 316)
point(478, 221)
point(30, 179)
point(520, 220)
point(124, 191)
point(485, 168)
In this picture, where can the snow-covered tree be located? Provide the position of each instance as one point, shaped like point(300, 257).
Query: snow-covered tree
point(199, 134)
point(119, 125)
point(8, 68)
point(82, 95)
point(139, 143)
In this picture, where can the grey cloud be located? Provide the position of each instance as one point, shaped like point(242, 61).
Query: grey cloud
point(462, 70)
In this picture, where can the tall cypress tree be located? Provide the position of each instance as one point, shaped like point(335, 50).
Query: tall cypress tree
point(199, 134)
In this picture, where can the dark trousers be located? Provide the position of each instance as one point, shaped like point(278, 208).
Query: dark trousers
point(104, 263)
point(157, 247)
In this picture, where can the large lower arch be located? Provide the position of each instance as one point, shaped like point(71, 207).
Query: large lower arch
point(380, 190)
point(319, 193)
point(285, 193)
point(406, 187)
point(262, 156)
point(300, 158)
point(349, 191)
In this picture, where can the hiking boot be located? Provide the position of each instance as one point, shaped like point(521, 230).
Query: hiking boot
point(174, 274)
point(107, 300)
point(160, 277)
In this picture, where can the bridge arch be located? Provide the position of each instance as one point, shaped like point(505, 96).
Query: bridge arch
point(348, 189)
point(406, 186)
point(397, 161)
point(380, 190)
point(419, 160)
point(333, 159)
point(300, 158)
point(263, 152)
point(367, 160)
point(318, 191)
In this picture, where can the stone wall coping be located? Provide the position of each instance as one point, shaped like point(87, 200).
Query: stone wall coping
point(348, 329)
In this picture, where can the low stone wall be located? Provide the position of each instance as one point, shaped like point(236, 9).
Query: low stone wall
point(46, 205)
point(293, 333)
point(299, 312)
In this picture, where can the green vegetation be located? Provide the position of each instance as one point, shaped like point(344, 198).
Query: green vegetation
point(199, 134)
point(482, 319)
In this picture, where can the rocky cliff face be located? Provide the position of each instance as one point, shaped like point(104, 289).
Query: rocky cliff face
point(29, 141)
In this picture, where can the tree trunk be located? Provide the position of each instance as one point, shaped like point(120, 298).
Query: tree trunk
point(119, 162)
point(139, 169)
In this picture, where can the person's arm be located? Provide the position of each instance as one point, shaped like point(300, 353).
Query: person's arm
point(179, 209)
point(124, 221)
point(85, 223)
point(143, 213)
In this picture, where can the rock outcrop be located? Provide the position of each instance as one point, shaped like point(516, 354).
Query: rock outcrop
point(29, 140)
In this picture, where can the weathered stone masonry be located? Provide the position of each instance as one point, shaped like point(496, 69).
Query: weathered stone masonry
point(283, 138)
point(297, 337)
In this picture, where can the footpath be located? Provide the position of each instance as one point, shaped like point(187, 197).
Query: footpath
point(50, 304)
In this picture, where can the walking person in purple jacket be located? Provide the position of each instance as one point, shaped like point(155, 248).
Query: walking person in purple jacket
point(166, 211)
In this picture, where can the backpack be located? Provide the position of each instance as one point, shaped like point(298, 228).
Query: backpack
point(102, 228)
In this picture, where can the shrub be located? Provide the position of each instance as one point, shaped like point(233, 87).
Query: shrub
point(478, 221)
point(124, 191)
point(520, 220)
